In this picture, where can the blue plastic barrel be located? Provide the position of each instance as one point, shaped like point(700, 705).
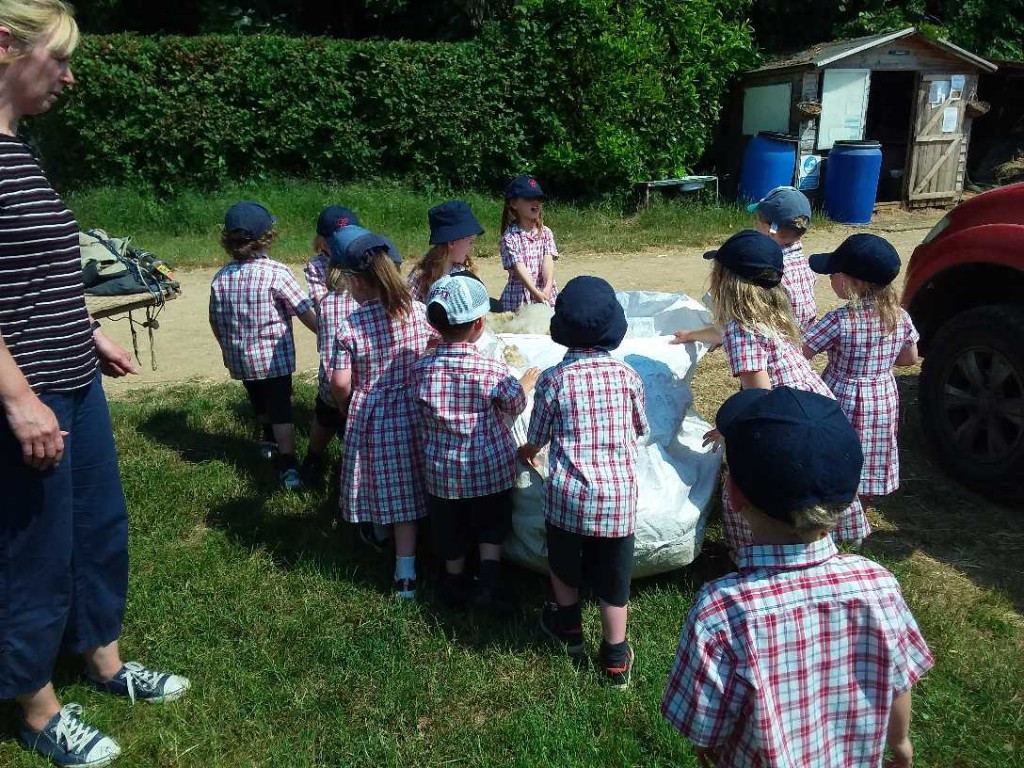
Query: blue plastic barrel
point(768, 162)
point(851, 181)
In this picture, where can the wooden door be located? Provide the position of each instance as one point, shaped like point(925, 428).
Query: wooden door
point(938, 149)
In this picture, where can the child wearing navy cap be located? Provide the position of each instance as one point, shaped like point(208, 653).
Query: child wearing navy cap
point(864, 340)
point(763, 347)
point(784, 214)
point(805, 656)
point(453, 233)
point(252, 301)
point(590, 408)
point(527, 247)
point(371, 379)
point(331, 218)
point(464, 401)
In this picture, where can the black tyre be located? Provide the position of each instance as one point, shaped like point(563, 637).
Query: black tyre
point(972, 399)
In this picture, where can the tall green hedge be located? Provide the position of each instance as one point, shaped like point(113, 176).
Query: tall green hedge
point(589, 94)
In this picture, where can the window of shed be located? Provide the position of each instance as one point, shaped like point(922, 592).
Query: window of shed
point(766, 108)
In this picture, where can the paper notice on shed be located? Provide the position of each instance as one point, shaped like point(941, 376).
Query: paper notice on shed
point(950, 117)
point(938, 92)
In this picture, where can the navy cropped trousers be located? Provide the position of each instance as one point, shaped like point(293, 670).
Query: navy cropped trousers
point(63, 545)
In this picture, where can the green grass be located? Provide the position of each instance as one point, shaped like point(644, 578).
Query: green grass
point(173, 227)
point(299, 657)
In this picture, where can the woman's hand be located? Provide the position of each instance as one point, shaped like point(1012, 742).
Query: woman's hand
point(36, 428)
point(115, 360)
point(528, 455)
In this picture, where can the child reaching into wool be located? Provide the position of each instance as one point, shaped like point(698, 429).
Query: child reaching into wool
point(763, 347)
point(804, 656)
point(528, 249)
point(864, 340)
point(331, 218)
point(590, 408)
point(333, 310)
point(453, 233)
point(371, 376)
point(252, 301)
point(784, 215)
point(464, 401)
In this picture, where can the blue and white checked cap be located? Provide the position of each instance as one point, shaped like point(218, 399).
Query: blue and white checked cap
point(463, 299)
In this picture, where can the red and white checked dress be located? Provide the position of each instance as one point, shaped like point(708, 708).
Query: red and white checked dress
point(462, 399)
point(252, 302)
point(382, 466)
point(859, 371)
point(528, 248)
point(749, 352)
point(590, 407)
point(799, 281)
point(316, 276)
point(794, 661)
point(332, 311)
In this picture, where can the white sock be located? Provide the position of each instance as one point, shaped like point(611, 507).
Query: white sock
point(405, 567)
point(382, 532)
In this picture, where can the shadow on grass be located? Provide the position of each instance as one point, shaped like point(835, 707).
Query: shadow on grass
point(946, 521)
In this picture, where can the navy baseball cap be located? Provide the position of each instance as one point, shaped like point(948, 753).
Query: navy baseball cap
point(350, 246)
point(334, 217)
point(789, 450)
point(865, 256)
point(785, 206)
point(524, 186)
point(452, 220)
point(249, 218)
point(754, 257)
point(588, 315)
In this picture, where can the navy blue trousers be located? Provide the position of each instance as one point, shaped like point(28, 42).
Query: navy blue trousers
point(63, 545)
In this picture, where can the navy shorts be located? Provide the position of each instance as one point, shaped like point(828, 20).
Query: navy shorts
point(605, 564)
point(328, 416)
point(271, 398)
point(459, 523)
point(64, 545)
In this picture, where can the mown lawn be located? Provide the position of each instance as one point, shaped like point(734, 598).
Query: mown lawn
point(299, 656)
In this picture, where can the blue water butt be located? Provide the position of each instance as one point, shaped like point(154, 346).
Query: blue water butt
point(851, 181)
point(768, 162)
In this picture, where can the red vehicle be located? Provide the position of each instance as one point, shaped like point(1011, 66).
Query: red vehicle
point(965, 291)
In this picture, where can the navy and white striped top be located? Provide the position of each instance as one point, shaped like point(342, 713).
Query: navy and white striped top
point(43, 318)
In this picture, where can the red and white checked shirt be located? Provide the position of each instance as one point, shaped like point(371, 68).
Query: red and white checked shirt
point(590, 407)
point(859, 371)
point(749, 351)
point(794, 661)
point(332, 311)
point(799, 281)
point(316, 276)
point(462, 399)
point(382, 466)
point(518, 245)
point(251, 305)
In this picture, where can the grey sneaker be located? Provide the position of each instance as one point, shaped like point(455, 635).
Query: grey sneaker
point(141, 684)
point(67, 741)
point(291, 480)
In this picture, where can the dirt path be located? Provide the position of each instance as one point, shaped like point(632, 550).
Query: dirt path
point(186, 350)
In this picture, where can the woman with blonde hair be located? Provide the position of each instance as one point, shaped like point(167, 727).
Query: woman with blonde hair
point(64, 531)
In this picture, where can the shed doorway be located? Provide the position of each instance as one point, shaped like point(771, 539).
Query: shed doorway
point(889, 121)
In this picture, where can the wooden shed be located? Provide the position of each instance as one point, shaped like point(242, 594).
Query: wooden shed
point(913, 94)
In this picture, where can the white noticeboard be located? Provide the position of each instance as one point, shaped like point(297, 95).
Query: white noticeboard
point(766, 108)
point(844, 105)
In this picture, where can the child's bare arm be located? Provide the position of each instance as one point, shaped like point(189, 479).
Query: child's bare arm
point(308, 319)
point(709, 334)
point(341, 388)
point(908, 356)
point(547, 275)
point(755, 380)
point(524, 277)
point(898, 736)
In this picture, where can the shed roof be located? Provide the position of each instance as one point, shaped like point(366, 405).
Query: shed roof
point(822, 54)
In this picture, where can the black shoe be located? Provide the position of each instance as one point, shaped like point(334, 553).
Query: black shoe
point(454, 592)
point(618, 673)
point(570, 639)
point(492, 598)
point(313, 470)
